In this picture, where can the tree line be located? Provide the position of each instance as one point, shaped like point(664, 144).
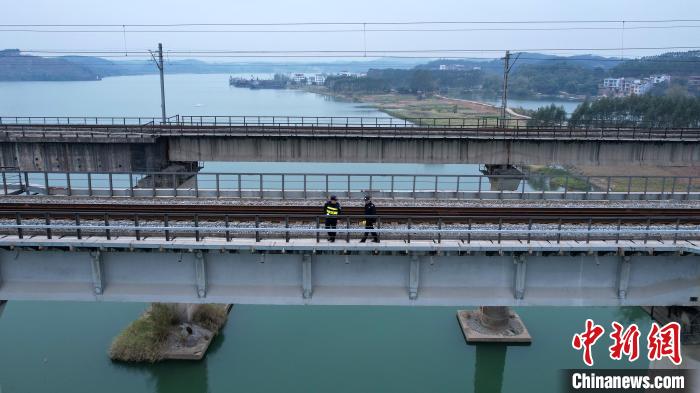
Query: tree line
point(549, 78)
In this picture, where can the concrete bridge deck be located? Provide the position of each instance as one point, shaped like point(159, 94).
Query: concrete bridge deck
point(122, 147)
point(421, 273)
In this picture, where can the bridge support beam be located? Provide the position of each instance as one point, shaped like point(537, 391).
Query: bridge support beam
point(306, 286)
point(520, 270)
point(200, 272)
point(97, 271)
point(623, 276)
point(414, 277)
point(2, 306)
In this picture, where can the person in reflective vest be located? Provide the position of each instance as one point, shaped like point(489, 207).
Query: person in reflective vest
point(332, 210)
point(370, 219)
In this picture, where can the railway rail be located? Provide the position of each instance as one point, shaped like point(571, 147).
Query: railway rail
point(36, 209)
point(284, 223)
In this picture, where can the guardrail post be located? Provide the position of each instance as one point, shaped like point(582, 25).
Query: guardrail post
point(260, 177)
point(414, 186)
point(78, 233)
point(408, 233)
point(257, 225)
point(436, 187)
point(469, 231)
point(26, 182)
point(318, 226)
point(559, 232)
point(226, 224)
point(675, 234)
point(218, 188)
point(673, 186)
point(478, 193)
point(18, 221)
point(47, 222)
point(68, 186)
point(286, 225)
point(136, 225)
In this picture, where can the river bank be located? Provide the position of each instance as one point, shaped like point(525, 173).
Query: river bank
point(411, 106)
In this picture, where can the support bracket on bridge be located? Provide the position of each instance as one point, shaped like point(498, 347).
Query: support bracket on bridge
point(200, 273)
point(520, 272)
point(307, 289)
point(623, 276)
point(414, 277)
point(97, 275)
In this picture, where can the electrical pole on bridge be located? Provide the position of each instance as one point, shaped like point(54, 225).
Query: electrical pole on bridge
point(507, 66)
point(159, 64)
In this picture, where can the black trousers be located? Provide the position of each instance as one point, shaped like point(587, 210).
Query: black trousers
point(331, 224)
point(369, 226)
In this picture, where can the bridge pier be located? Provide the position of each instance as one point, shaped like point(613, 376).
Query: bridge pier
point(2, 306)
point(170, 177)
point(497, 324)
point(495, 174)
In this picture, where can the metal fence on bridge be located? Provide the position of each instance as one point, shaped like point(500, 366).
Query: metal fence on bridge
point(286, 227)
point(457, 123)
point(346, 185)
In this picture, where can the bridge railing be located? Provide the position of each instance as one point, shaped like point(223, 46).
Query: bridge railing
point(82, 120)
point(168, 227)
point(347, 185)
point(418, 122)
point(469, 122)
point(96, 131)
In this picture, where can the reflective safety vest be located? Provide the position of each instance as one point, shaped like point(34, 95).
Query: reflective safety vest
point(332, 211)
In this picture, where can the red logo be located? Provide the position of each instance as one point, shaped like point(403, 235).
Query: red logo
point(661, 342)
point(665, 342)
point(587, 339)
point(626, 342)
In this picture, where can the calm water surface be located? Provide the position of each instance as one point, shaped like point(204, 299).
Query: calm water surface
point(61, 346)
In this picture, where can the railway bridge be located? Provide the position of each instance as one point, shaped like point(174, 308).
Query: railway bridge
point(449, 257)
point(115, 144)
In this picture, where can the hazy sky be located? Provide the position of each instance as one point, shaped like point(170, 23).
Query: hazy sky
point(126, 12)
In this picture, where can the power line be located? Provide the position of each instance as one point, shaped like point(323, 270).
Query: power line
point(341, 53)
point(370, 23)
point(306, 31)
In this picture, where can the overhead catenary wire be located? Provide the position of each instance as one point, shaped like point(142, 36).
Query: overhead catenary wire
point(360, 23)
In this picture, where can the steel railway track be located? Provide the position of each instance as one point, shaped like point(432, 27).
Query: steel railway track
point(57, 210)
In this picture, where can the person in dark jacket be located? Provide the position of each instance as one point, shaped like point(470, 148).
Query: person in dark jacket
point(332, 210)
point(370, 219)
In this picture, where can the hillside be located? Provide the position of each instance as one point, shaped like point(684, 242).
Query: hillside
point(17, 67)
